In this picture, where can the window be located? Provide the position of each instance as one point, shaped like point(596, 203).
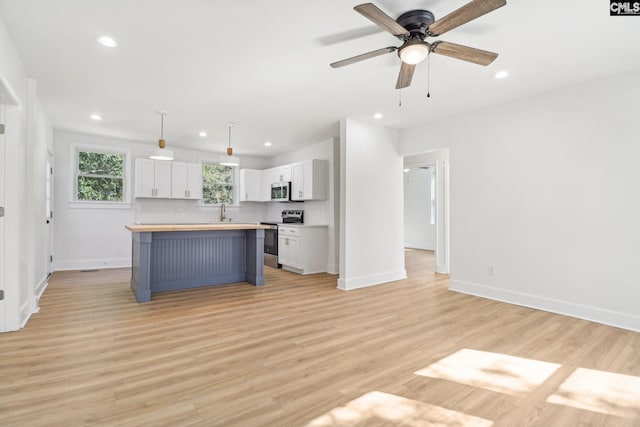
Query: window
point(99, 176)
point(218, 184)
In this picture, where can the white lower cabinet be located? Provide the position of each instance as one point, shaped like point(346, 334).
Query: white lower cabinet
point(289, 246)
point(303, 249)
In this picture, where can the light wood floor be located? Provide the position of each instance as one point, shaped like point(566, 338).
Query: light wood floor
point(299, 352)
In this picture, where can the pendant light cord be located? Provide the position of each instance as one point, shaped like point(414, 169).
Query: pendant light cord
point(161, 126)
point(428, 75)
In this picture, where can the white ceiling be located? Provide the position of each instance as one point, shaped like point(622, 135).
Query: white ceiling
point(265, 64)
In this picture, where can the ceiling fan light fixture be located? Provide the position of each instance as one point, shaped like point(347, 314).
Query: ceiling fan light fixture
point(414, 52)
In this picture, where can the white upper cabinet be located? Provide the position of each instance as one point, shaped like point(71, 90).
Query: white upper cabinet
point(267, 180)
point(153, 178)
point(164, 179)
point(251, 188)
point(282, 174)
point(186, 180)
point(309, 180)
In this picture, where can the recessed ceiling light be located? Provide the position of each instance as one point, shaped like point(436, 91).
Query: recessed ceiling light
point(267, 144)
point(501, 74)
point(203, 134)
point(378, 116)
point(107, 41)
point(406, 170)
point(96, 117)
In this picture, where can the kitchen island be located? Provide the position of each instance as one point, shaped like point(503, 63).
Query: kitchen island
point(168, 257)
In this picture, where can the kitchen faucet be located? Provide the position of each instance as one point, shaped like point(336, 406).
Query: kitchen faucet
point(223, 211)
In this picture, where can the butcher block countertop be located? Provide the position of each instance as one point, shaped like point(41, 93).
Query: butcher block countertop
point(144, 228)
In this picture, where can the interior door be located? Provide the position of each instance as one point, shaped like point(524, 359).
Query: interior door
point(49, 212)
point(2, 236)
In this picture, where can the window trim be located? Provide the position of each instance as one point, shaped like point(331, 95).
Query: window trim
point(236, 184)
point(74, 150)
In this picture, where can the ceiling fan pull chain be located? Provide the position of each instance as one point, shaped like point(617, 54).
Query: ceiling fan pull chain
point(429, 75)
point(400, 98)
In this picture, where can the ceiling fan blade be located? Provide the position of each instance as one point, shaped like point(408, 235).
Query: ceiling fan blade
point(470, 54)
point(364, 56)
point(378, 17)
point(405, 76)
point(466, 13)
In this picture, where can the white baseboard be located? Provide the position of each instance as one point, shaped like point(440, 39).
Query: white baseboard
point(28, 308)
point(594, 314)
point(41, 287)
point(93, 264)
point(31, 305)
point(333, 269)
point(371, 280)
point(442, 268)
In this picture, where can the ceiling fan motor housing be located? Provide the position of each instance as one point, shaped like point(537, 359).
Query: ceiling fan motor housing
point(416, 22)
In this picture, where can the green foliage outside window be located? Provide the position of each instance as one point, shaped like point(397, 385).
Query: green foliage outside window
point(100, 177)
point(217, 184)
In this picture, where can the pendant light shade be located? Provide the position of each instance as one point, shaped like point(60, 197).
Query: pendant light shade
point(161, 153)
point(229, 159)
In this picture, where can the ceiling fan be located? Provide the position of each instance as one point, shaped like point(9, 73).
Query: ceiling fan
point(414, 26)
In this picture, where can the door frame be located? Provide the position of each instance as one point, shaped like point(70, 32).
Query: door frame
point(3, 310)
point(49, 217)
point(439, 159)
point(10, 306)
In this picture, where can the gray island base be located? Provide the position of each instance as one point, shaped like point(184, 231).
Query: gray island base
point(168, 257)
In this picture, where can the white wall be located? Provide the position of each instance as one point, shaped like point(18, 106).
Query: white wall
point(28, 134)
point(419, 232)
point(371, 206)
point(316, 211)
point(544, 191)
point(97, 238)
point(40, 143)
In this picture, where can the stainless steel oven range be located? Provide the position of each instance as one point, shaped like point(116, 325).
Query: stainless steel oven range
point(271, 235)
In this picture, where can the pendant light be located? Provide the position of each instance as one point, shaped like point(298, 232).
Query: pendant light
point(161, 153)
point(229, 159)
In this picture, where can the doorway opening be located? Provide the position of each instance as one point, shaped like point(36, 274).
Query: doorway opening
point(426, 205)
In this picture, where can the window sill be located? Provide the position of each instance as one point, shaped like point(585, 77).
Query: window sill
point(100, 205)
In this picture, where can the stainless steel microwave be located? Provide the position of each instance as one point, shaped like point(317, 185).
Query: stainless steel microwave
point(281, 192)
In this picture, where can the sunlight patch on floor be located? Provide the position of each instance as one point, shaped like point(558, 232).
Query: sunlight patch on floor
point(491, 371)
point(378, 408)
point(600, 391)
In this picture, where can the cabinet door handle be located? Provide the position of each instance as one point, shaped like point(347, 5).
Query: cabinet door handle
point(246, 196)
